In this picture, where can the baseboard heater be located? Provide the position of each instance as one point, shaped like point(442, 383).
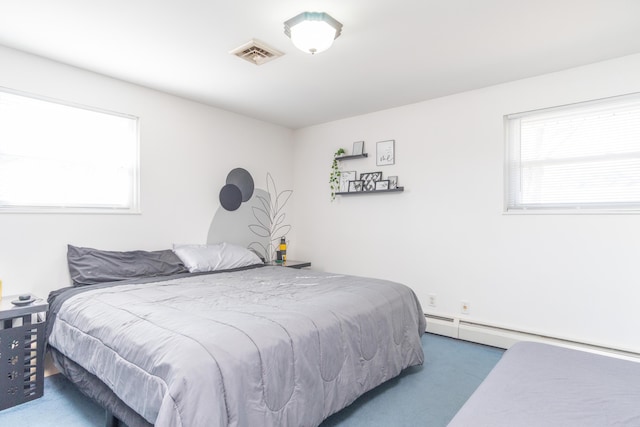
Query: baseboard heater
point(504, 337)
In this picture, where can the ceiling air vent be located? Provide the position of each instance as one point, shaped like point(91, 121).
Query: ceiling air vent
point(256, 52)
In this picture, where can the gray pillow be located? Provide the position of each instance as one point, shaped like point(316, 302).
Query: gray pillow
point(215, 257)
point(89, 266)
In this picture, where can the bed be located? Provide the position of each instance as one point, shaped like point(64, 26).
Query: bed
point(538, 384)
point(246, 346)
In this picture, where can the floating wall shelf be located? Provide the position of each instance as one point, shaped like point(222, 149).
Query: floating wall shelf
point(353, 193)
point(353, 156)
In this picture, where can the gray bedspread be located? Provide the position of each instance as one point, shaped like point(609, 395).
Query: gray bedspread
point(264, 347)
point(540, 385)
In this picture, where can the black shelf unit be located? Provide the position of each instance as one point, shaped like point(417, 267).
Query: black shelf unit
point(22, 341)
point(353, 156)
point(350, 193)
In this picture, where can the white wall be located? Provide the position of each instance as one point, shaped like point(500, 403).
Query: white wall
point(186, 148)
point(568, 276)
point(563, 275)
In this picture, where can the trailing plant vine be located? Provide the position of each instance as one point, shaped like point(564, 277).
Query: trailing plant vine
point(334, 177)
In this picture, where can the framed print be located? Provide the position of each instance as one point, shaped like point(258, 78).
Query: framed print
point(382, 184)
point(345, 177)
point(355, 186)
point(369, 180)
point(385, 153)
point(393, 182)
point(358, 148)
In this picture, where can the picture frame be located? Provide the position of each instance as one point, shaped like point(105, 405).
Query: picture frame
point(355, 186)
point(383, 184)
point(345, 177)
point(369, 180)
point(385, 153)
point(393, 182)
point(358, 148)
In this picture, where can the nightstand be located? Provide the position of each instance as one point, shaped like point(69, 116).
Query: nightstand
point(22, 329)
point(291, 264)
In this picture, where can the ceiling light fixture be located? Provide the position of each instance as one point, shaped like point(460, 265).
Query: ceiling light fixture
point(312, 32)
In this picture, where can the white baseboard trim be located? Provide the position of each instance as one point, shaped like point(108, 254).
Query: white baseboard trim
point(504, 337)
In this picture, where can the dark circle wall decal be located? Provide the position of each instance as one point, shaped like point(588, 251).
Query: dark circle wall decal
point(243, 180)
point(230, 197)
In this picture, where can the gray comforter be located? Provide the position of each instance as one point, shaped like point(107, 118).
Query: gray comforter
point(265, 347)
point(538, 384)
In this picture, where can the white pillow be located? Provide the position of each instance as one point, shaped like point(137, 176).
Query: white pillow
point(220, 256)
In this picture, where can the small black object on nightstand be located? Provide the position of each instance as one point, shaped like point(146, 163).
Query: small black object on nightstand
point(24, 299)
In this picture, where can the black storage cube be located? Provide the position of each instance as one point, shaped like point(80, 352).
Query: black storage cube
point(22, 345)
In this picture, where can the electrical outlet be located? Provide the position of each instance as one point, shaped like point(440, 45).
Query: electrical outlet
point(464, 307)
point(432, 300)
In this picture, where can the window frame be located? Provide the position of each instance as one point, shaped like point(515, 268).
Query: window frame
point(86, 208)
point(511, 166)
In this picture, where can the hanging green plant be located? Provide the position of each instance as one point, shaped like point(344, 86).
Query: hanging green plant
point(334, 177)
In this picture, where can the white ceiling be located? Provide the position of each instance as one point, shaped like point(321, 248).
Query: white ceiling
point(391, 53)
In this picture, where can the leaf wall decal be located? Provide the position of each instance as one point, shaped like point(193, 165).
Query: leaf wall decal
point(270, 219)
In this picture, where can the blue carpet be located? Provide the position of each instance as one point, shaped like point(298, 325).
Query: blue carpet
point(428, 395)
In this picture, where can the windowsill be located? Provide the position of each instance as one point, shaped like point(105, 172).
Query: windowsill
point(572, 212)
point(68, 211)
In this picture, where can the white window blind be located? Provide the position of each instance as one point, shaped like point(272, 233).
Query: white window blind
point(579, 158)
point(58, 157)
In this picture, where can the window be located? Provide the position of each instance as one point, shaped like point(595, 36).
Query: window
point(58, 157)
point(581, 158)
